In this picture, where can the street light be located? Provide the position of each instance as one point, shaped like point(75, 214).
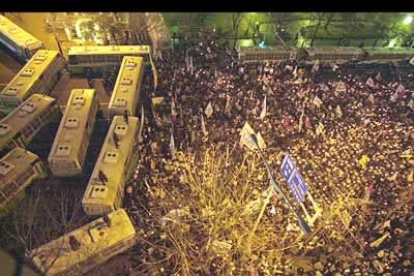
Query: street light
point(302, 223)
point(408, 19)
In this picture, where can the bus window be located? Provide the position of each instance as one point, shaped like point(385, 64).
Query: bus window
point(73, 60)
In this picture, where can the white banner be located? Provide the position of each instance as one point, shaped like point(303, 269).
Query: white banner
point(245, 139)
point(264, 109)
point(209, 110)
point(203, 126)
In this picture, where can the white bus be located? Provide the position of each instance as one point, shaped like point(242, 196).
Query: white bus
point(39, 75)
point(77, 252)
point(114, 166)
point(69, 148)
point(338, 55)
point(127, 88)
point(17, 40)
point(19, 127)
point(18, 169)
point(257, 55)
point(101, 58)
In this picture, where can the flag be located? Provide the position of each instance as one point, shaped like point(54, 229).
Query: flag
point(338, 111)
point(378, 76)
point(172, 144)
point(227, 108)
point(264, 109)
point(154, 73)
point(245, 139)
point(370, 82)
point(320, 129)
point(378, 242)
point(141, 127)
point(411, 104)
point(261, 141)
point(173, 110)
point(371, 99)
point(209, 110)
point(295, 72)
point(203, 126)
point(315, 67)
point(317, 101)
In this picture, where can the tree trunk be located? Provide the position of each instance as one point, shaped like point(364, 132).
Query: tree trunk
point(316, 29)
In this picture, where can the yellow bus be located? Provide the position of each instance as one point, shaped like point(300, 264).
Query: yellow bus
point(19, 127)
point(101, 58)
point(39, 75)
point(20, 42)
point(116, 162)
point(69, 148)
point(18, 169)
point(127, 88)
point(79, 251)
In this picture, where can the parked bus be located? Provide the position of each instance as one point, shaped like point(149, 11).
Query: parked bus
point(39, 75)
point(338, 55)
point(22, 44)
point(19, 127)
point(68, 152)
point(127, 87)
point(18, 169)
point(102, 58)
point(388, 54)
point(79, 251)
point(114, 166)
point(254, 55)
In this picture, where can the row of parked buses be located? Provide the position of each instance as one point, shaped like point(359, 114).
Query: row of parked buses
point(337, 55)
point(104, 192)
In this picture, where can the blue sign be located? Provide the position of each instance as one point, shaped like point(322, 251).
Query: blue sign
point(294, 179)
point(296, 194)
point(300, 185)
point(287, 168)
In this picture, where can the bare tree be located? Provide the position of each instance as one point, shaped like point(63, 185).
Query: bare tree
point(236, 19)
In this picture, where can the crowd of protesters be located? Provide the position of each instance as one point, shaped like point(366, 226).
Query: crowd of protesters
point(350, 132)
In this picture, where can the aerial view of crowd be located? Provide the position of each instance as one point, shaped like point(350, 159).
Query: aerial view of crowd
point(350, 133)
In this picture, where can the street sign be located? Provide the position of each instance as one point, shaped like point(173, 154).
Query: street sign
point(300, 185)
point(294, 179)
point(296, 194)
point(287, 168)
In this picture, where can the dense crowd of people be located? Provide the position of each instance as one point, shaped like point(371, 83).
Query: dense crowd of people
point(350, 133)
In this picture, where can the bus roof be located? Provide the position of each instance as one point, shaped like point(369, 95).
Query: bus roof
point(14, 162)
point(17, 34)
point(126, 83)
point(332, 49)
point(111, 161)
point(58, 255)
point(22, 116)
point(27, 76)
point(109, 50)
point(73, 124)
